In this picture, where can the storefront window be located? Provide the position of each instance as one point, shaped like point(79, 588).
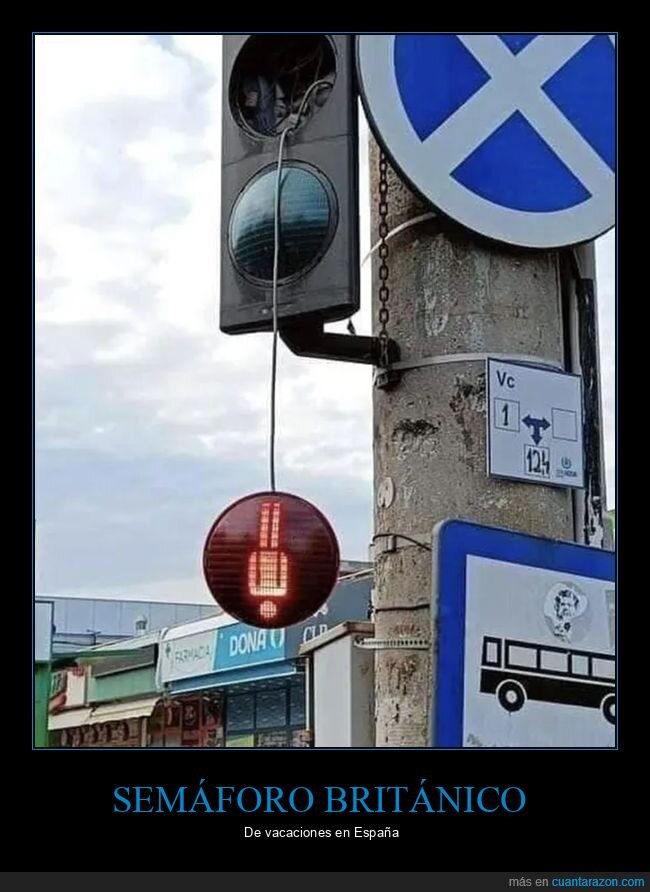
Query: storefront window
point(269, 739)
point(274, 711)
point(241, 712)
point(272, 708)
point(212, 727)
point(297, 711)
point(190, 718)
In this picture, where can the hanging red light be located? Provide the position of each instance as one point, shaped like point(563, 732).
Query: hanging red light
point(271, 559)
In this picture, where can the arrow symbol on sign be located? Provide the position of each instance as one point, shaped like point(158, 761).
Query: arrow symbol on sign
point(536, 425)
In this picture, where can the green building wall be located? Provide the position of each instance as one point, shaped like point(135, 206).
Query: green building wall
point(122, 685)
point(41, 703)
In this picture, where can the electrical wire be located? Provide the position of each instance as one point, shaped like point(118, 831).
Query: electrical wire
point(401, 536)
point(316, 85)
point(274, 350)
point(276, 262)
point(359, 574)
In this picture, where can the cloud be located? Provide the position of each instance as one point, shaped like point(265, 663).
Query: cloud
point(135, 521)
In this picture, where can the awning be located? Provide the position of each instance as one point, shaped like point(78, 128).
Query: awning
point(278, 669)
point(117, 712)
point(72, 718)
point(93, 656)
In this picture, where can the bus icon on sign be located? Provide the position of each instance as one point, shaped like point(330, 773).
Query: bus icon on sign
point(516, 671)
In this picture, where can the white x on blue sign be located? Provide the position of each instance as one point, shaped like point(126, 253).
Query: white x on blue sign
point(512, 135)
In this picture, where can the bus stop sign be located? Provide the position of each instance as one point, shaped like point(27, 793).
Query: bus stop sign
point(526, 640)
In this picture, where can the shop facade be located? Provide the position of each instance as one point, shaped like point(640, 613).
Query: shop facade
point(67, 709)
point(195, 720)
point(209, 683)
point(228, 684)
point(107, 699)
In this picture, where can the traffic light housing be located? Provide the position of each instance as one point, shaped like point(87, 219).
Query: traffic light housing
point(304, 82)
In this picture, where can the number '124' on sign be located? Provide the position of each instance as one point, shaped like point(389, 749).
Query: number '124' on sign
point(537, 461)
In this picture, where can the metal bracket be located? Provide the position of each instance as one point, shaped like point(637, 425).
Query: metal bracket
point(310, 339)
point(385, 378)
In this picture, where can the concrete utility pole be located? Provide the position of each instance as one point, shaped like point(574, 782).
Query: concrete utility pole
point(450, 293)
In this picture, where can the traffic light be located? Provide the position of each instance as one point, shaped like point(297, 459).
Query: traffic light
point(303, 83)
point(271, 560)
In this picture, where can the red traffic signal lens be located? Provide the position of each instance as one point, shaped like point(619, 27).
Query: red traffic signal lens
point(271, 559)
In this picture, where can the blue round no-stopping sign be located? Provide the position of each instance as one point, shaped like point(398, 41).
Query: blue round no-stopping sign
point(512, 135)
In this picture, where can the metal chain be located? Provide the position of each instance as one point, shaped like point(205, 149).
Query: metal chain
point(384, 291)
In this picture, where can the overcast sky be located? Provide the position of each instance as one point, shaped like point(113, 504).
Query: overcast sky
point(149, 421)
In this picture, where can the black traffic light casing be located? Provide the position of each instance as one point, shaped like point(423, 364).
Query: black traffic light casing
point(325, 144)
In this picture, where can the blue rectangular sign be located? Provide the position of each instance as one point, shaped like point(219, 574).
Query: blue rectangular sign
point(241, 645)
point(526, 646)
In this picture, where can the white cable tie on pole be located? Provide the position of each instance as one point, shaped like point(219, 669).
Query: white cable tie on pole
point(422, 218)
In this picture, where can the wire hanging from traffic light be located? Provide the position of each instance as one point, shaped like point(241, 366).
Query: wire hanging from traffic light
point(290, 246)
point(276, 260)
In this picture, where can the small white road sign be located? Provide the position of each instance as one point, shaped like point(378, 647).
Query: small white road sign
point(534, 424)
